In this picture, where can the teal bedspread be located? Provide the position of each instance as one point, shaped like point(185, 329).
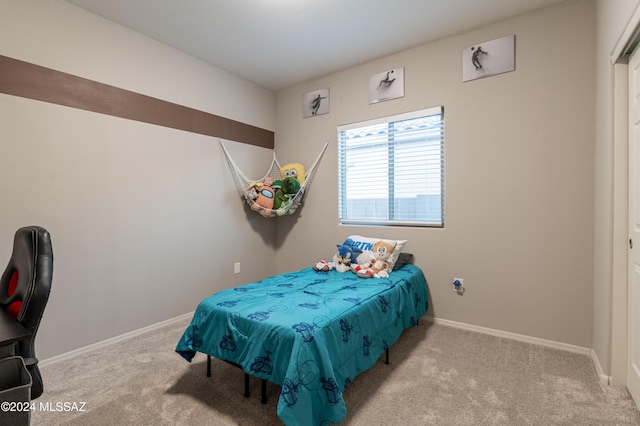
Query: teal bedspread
point(310, 332)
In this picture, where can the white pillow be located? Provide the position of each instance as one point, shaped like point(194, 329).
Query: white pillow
point(366, 245)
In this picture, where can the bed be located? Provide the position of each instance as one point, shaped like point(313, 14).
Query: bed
point(310, 332)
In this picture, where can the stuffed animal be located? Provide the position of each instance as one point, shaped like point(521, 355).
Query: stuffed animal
point(345, 256)
point(323, 266)
point(377, 267)
point(290, 186)
point(264, 203)
point(295, 170)
point(254, 190)
point(269, 181)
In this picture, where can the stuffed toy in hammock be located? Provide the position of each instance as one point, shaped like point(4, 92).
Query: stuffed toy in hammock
point(295, 170)
point(264, 198)
point(290, 187)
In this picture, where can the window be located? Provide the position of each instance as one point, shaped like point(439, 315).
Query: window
point(391, 170)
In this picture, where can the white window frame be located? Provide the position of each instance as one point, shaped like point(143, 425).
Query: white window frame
point(426, 186)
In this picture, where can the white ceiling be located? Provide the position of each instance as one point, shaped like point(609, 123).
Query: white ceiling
point(278, 43)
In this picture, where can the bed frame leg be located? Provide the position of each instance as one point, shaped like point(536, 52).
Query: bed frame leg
point(208, 365)
point(246, 385)
point(386, 361)
point(263, 397)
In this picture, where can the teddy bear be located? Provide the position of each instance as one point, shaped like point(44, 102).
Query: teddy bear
point(345, 256)
point(377, 266)
point(323, 266)
point(295, 170)
point(264, 202)
point(290, 186)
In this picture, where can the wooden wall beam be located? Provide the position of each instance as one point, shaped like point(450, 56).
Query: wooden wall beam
point(31, 81)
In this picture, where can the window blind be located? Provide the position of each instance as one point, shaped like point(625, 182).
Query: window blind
point(391, 170)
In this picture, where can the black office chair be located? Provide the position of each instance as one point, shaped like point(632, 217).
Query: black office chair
point(24, 291)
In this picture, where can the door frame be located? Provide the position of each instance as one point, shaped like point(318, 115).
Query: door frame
point(620, 227)
point(628, 41)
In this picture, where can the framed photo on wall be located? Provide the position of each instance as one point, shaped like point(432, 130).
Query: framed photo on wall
point(489, 58)
point(315, 103)
point(386, 85)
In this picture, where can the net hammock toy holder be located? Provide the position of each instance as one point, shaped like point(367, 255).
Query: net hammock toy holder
point(250, 189)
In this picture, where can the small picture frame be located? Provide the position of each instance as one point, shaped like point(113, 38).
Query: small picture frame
point(386, 85)
point(488, 58)
point(315, 103)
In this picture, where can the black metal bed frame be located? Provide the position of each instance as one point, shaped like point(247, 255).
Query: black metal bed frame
point(263, 388)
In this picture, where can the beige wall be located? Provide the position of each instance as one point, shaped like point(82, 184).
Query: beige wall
point(145, 220)
point(519, 174)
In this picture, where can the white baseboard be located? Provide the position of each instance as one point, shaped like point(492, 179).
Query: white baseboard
point(520, 337)
point(604, 379)
point(113, 340)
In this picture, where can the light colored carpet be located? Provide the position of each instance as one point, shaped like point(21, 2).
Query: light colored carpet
point(438, 375)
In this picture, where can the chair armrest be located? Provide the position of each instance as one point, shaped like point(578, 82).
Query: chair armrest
point(28, 362)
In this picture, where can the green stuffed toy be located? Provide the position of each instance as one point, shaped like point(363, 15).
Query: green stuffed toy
point(290, 187)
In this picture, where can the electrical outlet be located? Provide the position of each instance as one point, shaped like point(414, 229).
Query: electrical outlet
point(458, 285)
point(236, 268)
